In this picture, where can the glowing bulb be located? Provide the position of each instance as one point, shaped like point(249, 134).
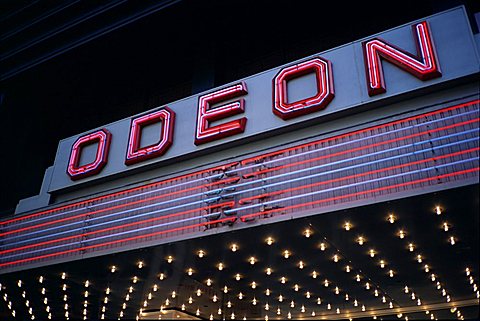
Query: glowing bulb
point(360, 240)
point(371, 252)
point(140, 265)
point(382, 264)
point(390, 273)
point(452, 240)
point(367, 286)
point(215, 298)
point(347, 226)
point(252, 260)
point(280, 298)
point(467, 271)
point(209, 282)
point(190, 271)
point(286, 254)
point(240, 296)
point(401, 234)
point(225, 289)
point(174, 294)
point(169, 259)
point(319, 301)
point(268, 271)
point(307, 233)
point(335, 258)
point(87, 284)
point(438, 210)
point(337, 290)
point(323, 246)
point(161, 277)
point(426, 268)
point(326, 283)
point(307, 295)
point(301, 265)
point(419, 258)
point(64, 275)
point(253, 285)
point(406, 289)
point(234, 247)
point(201, 253)
point(296, 287)
point(445, 226)
point(269, 240)
point(391, 218)
point(254, 301)
point(357, 278)
point(238, 277)
point(220, 266)
point(283, 279)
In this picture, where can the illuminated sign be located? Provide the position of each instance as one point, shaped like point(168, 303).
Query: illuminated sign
point(379, 68)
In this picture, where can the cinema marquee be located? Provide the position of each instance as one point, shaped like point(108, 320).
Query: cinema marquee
point(341, 185)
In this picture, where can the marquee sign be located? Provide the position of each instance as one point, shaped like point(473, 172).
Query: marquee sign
point(379, 67)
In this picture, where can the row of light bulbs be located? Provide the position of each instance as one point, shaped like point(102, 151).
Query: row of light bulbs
point(234, 247)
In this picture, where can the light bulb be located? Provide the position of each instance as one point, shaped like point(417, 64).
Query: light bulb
point(391, 218)
point(360, 240)
point(347, 226)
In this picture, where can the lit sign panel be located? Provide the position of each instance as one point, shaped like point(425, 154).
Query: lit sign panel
point(378, 68)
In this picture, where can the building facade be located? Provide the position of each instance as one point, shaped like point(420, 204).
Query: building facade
point(326, 168)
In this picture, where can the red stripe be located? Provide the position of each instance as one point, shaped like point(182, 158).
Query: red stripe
point(360, 148)
point(36, 226)
point(220, 167)
point(362, 174)
point(231, 204)
point(476, 169)
point(116, 241)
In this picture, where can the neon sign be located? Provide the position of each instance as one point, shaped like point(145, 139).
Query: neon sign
point(381, 67)
point(222, 113)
